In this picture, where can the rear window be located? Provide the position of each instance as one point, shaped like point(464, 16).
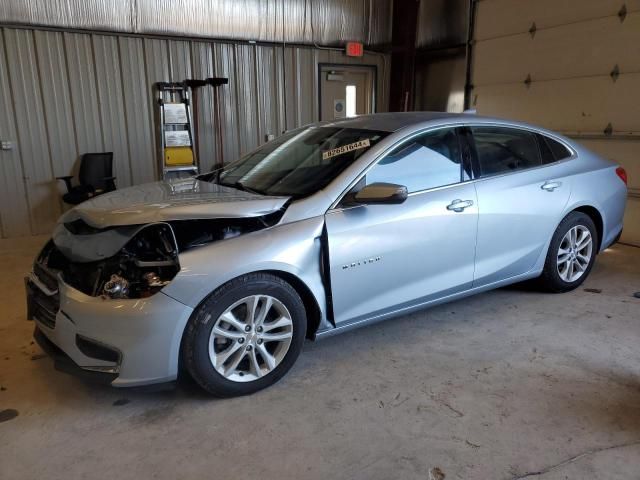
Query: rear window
point(557, 151)
point(503, 150)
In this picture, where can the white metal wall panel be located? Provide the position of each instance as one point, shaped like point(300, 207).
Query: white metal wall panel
point(567, 60)
point(203, 67)
point(306, 86)
point(268, 85)
point(247, 103)
point(14, 207)
point(31, 130)
point(84, 92)
point(156, 59)
point(81, 92)
point(179, 60)
point(278, 101)
point(57, 104)
point(138, 118)
point(291, 90)
point(114, 126)
point(224, 55)
point(301, 90)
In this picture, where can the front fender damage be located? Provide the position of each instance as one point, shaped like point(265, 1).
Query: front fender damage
point(135, 261)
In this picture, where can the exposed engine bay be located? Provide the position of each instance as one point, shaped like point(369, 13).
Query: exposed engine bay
point(133, 261)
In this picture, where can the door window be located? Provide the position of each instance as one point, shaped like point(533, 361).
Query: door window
point(427, 161)
point(503, 150)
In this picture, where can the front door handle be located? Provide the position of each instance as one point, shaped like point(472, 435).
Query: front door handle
point(550, 186)
point(459, 205)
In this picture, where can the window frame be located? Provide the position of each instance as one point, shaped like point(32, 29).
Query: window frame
point(536, 133)
point(545, 139)
point(465, 138)
point(338, 204)
point(408, 141)
point(506, 130)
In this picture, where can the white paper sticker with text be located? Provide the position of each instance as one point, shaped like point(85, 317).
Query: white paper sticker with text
point(345, 149)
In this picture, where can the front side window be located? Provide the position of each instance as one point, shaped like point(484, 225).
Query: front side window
point(427, 161)
point(299, 163)
point(504, 150)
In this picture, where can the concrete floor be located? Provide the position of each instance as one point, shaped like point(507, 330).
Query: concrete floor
point(508, 384)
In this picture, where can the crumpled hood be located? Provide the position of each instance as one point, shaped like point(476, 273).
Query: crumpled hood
point(175, 200)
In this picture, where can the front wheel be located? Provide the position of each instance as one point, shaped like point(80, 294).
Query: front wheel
point(571, 254)
point(245, 336)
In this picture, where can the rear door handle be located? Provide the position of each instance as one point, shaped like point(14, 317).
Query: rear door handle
point(550, 186)
point(459, 205)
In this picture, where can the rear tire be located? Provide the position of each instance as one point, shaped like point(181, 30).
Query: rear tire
point(245, 336)
point(571, 254)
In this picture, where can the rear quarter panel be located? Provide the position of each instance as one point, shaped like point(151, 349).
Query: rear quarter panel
point(595, 183)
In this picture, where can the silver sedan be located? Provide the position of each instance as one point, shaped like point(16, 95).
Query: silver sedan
point(329, 227)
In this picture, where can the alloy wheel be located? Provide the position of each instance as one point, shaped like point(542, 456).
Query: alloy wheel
point(574, 253)
point(251, 338)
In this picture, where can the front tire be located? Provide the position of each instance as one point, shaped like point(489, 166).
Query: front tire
point(245, 336)
point(571, 254)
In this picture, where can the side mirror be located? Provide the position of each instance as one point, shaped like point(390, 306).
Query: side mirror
point(382, 193)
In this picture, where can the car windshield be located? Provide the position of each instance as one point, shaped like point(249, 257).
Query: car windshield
point(300, 162)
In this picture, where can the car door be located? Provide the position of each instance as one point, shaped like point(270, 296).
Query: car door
point(520, 201)
point(384, 258)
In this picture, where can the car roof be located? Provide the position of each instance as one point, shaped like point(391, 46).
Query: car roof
point(394, 121)
point(413, 121)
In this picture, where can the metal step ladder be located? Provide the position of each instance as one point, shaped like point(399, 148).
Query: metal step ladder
point(176, 137)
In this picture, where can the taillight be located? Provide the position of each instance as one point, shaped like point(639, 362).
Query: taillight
point(622, 173)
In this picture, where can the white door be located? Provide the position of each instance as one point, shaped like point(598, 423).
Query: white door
point(345, 91)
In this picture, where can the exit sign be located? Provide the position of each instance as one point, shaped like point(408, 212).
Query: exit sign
point(354, 49)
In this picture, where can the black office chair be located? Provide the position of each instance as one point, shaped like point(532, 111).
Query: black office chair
point(95, 177)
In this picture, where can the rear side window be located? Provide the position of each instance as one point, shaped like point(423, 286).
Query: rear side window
point(426, 161)
point(503, 150)
point(556, 151)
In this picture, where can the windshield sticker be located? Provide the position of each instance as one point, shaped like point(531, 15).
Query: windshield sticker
point(345, 149)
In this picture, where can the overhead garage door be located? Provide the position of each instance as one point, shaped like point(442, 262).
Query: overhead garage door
point(571, 66)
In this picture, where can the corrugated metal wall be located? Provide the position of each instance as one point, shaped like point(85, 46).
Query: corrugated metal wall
point(553, 63)
point(65, 93)
point(326, 22)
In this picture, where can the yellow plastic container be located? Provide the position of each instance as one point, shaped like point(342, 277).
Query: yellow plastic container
point(178, 156)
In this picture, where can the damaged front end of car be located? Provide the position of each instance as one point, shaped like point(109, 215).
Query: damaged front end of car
point(133, 261)
point(118, 262)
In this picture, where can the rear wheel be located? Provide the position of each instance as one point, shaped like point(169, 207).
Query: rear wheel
point(245, 336)
point(571, 254)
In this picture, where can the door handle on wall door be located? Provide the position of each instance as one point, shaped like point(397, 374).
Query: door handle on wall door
point(550, 186)
point(459, 205)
